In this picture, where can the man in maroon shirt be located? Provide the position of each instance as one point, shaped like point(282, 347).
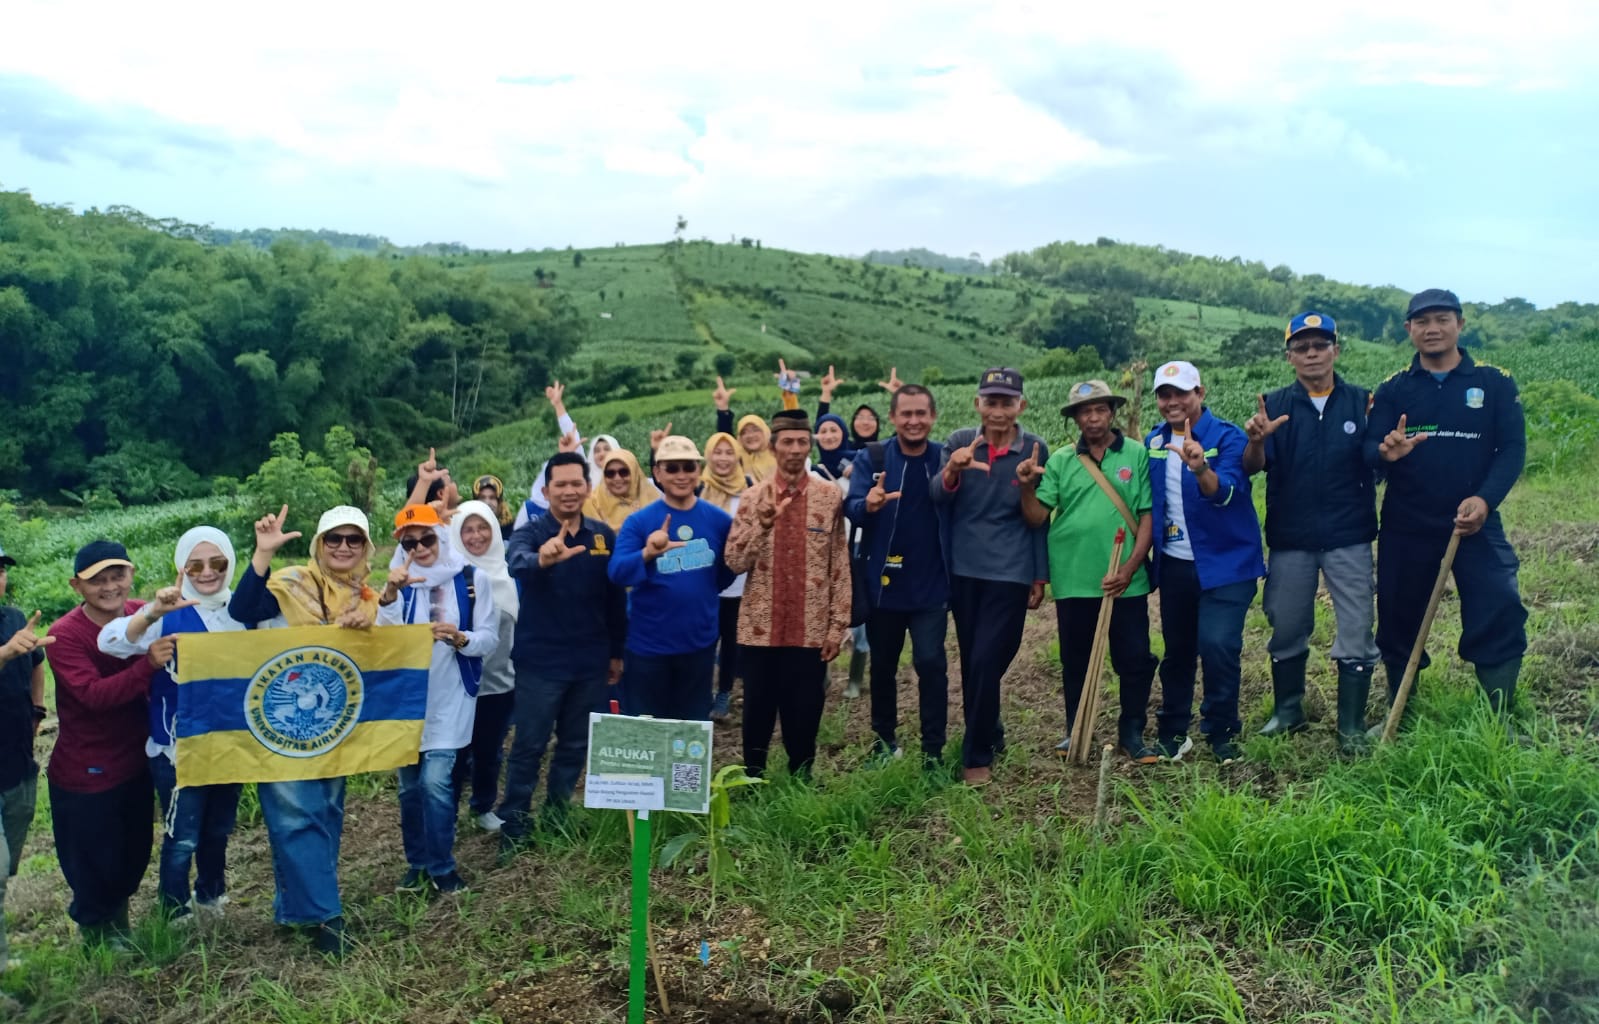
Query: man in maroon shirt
point(101, 797)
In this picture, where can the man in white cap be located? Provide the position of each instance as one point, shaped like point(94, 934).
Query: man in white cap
point(670, 553)
point(1208, 559)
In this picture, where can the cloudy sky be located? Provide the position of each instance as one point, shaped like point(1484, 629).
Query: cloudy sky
point(1406, 142)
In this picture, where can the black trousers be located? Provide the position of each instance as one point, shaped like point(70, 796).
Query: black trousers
point(478, 764)
point(885, 631)
point(727, 655)
point(1128, 641)
point(989, 616)
point(1493, 621)
point(787, 684)
point(103, 843)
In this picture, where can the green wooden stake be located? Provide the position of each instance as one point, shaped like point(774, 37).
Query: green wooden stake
point(641, 915)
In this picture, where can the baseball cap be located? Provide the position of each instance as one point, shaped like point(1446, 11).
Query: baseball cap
point(791, 419)
point(6, 559)
point(1311, 322)
point(676, 447)
point(416, 515)
point(1000, 380)
point(97, 556)
point(1183, 376)
point(1432, 298)
point(1088, 392)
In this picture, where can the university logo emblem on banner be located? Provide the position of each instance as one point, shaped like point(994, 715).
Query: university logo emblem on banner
point(1474, 397)
point(304, 702)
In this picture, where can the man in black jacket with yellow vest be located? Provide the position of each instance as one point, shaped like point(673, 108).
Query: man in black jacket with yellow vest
point(1450, 434)
point(1321, 517)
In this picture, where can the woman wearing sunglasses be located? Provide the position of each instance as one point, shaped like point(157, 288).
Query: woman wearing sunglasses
point(198, 819)
point(305, 818)
point(433, 585)
point(620, 491)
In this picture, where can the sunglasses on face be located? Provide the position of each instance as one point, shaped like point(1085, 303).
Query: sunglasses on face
point(620, 471)
point(348, 540)
point(197, 566)
point(427, 540)
point(1319, 345)
point(673, 468)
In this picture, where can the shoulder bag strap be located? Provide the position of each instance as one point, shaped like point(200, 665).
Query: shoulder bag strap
point(1110, 492)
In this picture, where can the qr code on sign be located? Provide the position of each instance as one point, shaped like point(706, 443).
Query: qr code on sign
point(685, 777)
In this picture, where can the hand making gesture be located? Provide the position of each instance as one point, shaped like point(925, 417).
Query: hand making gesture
point(167, 599)
point(568, 442)
point(962, 459)
point(876, 498)
point(399, 578)
point(787, 379)
point(1396, 445)
point(893, 383)
point(556, 549)
point(1029, 471)
point(429, 471)
point(828, 383)
point(767, 513)
point(722, 395)
point(1261, 426)
point(24, 641)
point(1190, 450)
point(660, 542)
point(269, 537)
point(657, 436)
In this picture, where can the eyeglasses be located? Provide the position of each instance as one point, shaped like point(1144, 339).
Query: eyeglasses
point(1319, 345)
point(197, 566)
point(349, 540)
point(673, 468)
point(427, 540)
point(620, 471)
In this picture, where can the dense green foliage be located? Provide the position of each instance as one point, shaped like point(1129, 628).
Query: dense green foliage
point(141, 363)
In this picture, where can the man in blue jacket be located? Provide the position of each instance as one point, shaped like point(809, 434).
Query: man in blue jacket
point(998, 561)
point(569, 641)
point(1208, 559)
point(1450, 435)
point(902, 564)
point(1321, 517)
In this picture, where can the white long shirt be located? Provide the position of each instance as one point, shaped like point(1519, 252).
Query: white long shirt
point(450, 709)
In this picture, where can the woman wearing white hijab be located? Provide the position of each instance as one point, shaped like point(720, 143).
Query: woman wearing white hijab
point(474, 537)
point(199, 819)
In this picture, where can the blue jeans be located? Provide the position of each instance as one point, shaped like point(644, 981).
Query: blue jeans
point(427, 812)
point(546, 705)
point(196, 831)
point(305, 822)
point(669, 685)
point(1203, 627)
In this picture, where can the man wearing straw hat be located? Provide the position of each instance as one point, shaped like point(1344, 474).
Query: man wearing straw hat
point(1450, 435)
point(1095, 489)
point(1321, 517)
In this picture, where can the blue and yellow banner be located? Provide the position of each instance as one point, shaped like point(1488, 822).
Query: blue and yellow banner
point(308, 702)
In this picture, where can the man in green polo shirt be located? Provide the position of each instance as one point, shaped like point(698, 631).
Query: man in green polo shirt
point(1075, 486)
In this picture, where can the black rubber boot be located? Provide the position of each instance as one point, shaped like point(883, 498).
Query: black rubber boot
point(1499, 683)
point(1288, 692)
point(857, 673)
point(1354, 687)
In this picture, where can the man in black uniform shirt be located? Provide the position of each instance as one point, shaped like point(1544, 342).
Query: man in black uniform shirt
point(1450, 435)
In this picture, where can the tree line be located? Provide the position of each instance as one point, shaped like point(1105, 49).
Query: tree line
point(142, 363)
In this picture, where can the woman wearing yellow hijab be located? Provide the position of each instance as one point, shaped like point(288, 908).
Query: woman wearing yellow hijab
point(305, 819)
point(621, 490)
point(755, 456)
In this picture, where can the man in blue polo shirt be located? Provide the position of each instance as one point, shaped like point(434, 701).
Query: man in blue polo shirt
point(1321, 517)
point(1208, 559)
point(1450, 435)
